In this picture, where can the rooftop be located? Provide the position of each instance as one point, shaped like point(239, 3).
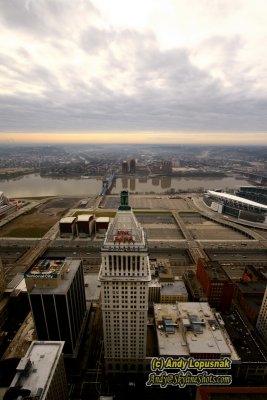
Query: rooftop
point(125, 231)
point(46, 268)
point(190, 328)
point(102, 219)
point(92, 287)
point(36, 369)
point(173, 288)
point(252, 288)
point(62, 281)
point(84, 217)
point(67, 220)
point(216, 271)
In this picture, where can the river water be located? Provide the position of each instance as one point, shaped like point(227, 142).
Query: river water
point(35, 185)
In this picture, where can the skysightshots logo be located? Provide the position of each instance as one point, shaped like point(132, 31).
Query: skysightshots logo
point(183, 377)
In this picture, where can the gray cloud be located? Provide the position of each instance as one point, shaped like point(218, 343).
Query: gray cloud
point(152, 88)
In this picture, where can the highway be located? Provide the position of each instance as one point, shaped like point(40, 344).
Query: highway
point(225, 251)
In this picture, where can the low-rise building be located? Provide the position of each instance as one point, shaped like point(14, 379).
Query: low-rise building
point(67, 227)
point(85, 225)
point(101, 224)
point(40, 374)
point(171, 292)
point(216, 284)
point(191, 330)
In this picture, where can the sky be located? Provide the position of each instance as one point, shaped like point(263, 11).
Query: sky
point(140, 71)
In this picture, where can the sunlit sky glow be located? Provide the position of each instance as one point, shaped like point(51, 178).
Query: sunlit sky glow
point(151, 71)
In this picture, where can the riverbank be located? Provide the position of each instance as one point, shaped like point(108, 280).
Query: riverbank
point(12, 173)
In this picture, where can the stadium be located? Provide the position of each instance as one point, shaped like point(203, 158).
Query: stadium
point(5, 206)
point(242, 205)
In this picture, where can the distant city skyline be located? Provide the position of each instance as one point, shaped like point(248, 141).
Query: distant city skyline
point(194, 138)
point(133, 72)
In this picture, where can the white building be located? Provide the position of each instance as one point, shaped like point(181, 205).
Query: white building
point(41, 373)
point(124, 276)
point(5, 206)
point(262, 318)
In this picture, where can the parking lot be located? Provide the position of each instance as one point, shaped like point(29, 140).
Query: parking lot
point(211, 230)
point(149, 202)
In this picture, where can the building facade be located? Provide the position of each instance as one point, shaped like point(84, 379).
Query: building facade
point(132, 166)
point(262, 318)
point(124, 167)
point(216, 284)
point(57, 299)
point(124, 276)
point(2, 279)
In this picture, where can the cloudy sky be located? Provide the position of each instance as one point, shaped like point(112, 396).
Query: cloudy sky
point(169, 71)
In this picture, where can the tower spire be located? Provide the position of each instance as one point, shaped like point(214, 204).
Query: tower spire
point(124, 205)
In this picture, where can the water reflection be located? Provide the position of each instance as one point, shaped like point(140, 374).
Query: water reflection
point(132, 184)
point(166, 182)
point(172, 185)
point(124, 182)
point(34, 185)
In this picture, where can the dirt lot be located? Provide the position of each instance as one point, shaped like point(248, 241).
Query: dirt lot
point(32, 225)
point(38, 221)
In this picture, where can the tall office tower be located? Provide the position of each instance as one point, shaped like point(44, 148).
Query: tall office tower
point(166, 167)
point(132, 166)
point(2, 279)
point(262, 318)
point(124, 276)
point(57, 298)
point(124, 167)
point(40, 374)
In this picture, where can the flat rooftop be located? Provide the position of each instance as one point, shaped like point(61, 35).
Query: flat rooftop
point(44, 357)
point(102, 219)
point(215, 271)
point(173, 288)
point(252, 288)
point(190, 328)
point(92, 287)
point(67, 220)
point(70, 268)
point(46, 268)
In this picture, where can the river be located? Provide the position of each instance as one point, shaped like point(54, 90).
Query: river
point(34, 185)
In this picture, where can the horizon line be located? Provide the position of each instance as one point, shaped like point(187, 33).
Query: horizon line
point(141, 137)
